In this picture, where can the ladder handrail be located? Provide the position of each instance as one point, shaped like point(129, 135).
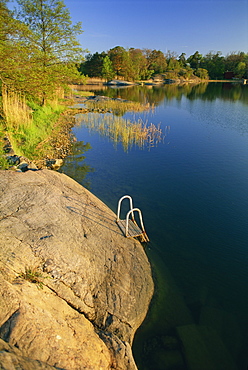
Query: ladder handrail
point(140, 216)
point(119, 206)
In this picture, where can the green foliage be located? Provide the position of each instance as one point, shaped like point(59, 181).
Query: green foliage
point(28, 124)
point(182, 60)
point(39, 49)
point(93, 64)
point(83, 93)
point(136, 64)
point(117, 56)
point(107, 69)
point(214, 63)
point(4, 164)
point(240, 69)
point(202, 73)
point(194, 60)
point(156, 61)
point(139, 65)
point(186, 72)
point(52, 31)
point(28, 139)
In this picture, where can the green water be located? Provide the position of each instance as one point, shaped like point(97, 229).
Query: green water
point(192, 190)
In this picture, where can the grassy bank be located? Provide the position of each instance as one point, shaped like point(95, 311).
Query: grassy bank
point(44, 132)
point(31, 130)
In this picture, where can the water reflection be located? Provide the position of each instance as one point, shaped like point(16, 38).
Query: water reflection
point(157, 94)
point(75, 165)
point(124, 131)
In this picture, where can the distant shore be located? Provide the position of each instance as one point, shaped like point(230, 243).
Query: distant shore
point(101, 82)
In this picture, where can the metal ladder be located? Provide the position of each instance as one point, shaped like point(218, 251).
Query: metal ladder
point(129, 227)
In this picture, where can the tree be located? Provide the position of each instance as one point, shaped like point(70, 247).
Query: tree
point(186, 72)
point(182, 60)
point(117, 57)
point(93, 64)
point(194, 60)
point(202, 73)
point(52, 42)
point(237, 63)
point(107, 69)
point(173, 64)
point(156, 60)
point(12, 51)
point(139, 64)
point(240, 69)
point(214, 63)
point(171, 54)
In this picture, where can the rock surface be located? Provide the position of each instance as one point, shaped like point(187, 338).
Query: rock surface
point(73, 289)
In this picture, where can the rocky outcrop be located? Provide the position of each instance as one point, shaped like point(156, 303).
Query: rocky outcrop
point(73, 289)
point(120, 83)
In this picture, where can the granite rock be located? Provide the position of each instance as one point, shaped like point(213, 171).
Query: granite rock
point(73, 289)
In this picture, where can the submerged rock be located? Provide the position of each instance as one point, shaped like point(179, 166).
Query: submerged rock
point(73, 289)
point(204, 349)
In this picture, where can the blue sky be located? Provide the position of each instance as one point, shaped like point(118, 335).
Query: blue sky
point(176, 25)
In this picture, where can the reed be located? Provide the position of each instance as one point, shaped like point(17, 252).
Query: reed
point(15, 109)
point(124, 131)
point(82, 93)
point(118, 107)
point(27, 124)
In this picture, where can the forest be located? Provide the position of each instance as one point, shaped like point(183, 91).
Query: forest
point(142, 64)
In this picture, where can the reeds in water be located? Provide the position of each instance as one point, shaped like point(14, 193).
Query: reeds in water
point(117, 106)
point(124, 131)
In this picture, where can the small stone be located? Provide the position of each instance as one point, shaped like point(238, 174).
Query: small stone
point(23, 166)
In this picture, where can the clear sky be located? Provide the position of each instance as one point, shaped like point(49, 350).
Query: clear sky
point(183, 26)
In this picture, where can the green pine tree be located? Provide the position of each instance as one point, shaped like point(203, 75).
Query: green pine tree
point(107, 69)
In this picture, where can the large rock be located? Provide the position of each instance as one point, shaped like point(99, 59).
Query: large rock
point(73, 289)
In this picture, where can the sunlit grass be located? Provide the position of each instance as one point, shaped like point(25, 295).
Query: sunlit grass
point(83, 93)
point(26, 124)
point(124, 131)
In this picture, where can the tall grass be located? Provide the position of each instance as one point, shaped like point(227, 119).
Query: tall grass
point(121, 130)
point(15, 109)
point(118, 107)
point(27, 124)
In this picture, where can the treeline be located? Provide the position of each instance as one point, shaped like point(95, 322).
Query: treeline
point(142, 64)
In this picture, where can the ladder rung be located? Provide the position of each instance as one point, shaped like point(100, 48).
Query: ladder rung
point(133, 230)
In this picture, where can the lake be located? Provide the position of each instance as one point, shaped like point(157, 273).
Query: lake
point(192, 188)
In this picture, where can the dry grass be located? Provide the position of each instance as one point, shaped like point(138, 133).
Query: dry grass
point(15, 109)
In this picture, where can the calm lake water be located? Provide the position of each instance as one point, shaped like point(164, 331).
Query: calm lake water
point(192, 188)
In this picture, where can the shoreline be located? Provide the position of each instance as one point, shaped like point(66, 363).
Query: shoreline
point(96, 82)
